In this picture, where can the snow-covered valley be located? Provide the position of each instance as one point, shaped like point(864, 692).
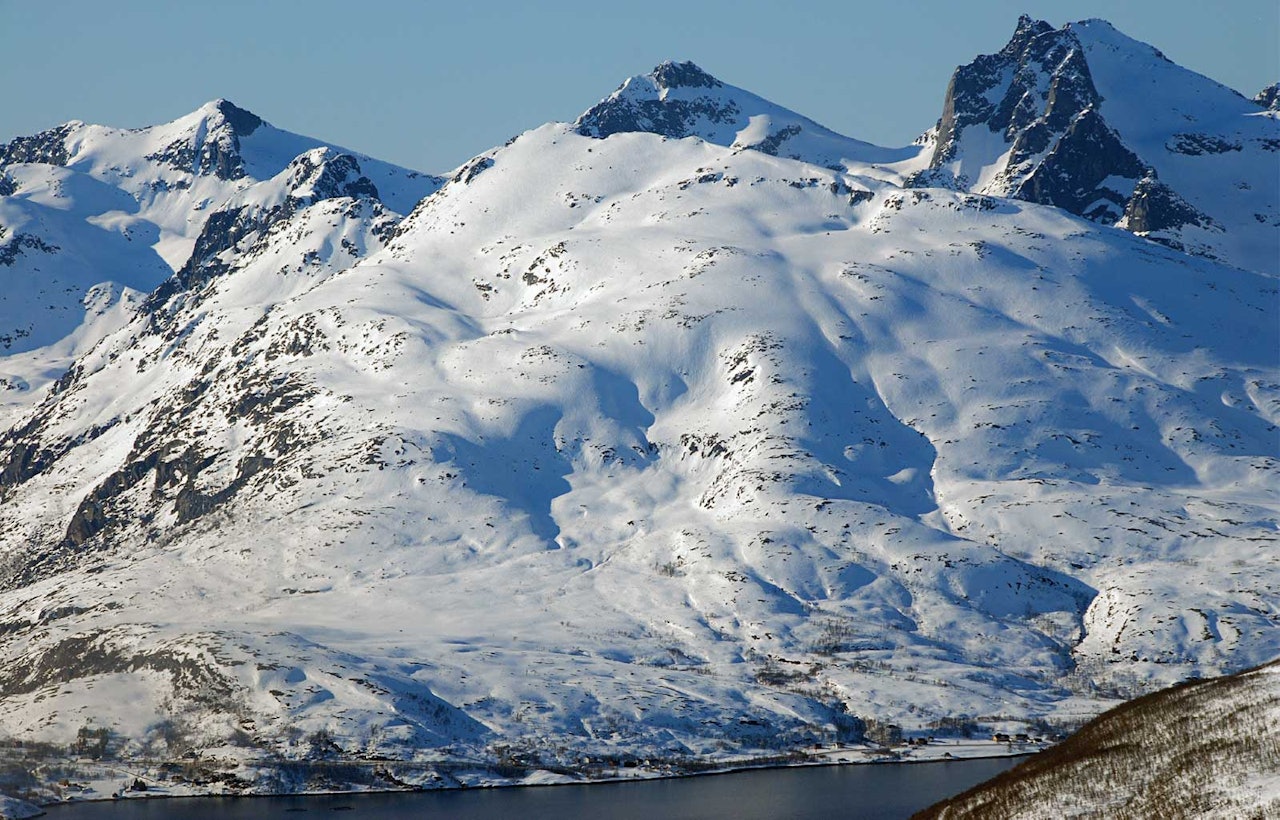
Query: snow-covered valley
point(635, 438)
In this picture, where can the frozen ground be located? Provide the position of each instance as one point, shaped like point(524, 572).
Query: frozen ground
point(620, 449)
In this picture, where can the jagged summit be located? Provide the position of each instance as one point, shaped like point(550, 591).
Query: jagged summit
point(671, 74)
point(1269, 97)
point(1034, 86)
point(640, 446)
point(1027, 29)
point(1089, 120)
point(95, 220)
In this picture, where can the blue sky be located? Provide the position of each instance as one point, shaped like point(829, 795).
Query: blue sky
point(429, 84)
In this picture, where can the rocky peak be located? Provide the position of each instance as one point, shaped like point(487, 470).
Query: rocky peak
point(1052, 146)
point(324, 173)
point(242, 122)
point(674, 100)
point(671, 74)
point(48, 147)
point(210, 143)
point(1269, 97)
point(1087, 119)
point(1027, 30)
point(1039, 76)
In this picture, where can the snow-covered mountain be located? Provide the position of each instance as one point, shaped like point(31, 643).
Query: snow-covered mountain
point(679, 100)
point(1082, 117)
point(637, 437)
point(93, 218)
point(1204, 749)
point(1101, 125)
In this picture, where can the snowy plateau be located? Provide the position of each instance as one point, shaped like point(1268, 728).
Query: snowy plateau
point(687, 433)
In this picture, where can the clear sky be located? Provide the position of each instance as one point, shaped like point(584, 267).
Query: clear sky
point(430, 84)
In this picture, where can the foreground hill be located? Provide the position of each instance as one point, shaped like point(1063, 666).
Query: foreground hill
point(641, 446)
point(1201, 749)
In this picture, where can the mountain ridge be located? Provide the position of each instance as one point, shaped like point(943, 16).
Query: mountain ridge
point(626, 444)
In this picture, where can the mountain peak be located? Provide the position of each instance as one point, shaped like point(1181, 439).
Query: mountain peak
point(674, 100)
point(1028, 29)
point(1269, 97)
point(1090, 120)
point(670, 74)
point(680, 99)
point(242, 122)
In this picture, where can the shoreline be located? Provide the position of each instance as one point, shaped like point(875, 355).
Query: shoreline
point(819, 759)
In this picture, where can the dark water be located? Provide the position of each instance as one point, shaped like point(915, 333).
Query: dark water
point(867, 791)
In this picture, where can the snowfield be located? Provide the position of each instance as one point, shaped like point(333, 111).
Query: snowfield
point(628, 446)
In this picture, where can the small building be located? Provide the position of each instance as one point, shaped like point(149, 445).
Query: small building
point(1001, 737)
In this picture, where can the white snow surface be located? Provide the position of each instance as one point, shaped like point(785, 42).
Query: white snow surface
point(1160, 110)
point(628, 446)
point(79, 244)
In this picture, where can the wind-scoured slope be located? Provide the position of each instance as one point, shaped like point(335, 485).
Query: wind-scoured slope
point(649, 447)
point(92, 218)
point(1203, 749)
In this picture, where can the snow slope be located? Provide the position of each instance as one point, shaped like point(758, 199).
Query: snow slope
point(639, 447)
point(92, 218)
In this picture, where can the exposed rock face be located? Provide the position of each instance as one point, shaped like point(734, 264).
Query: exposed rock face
point(1155, 206)
point(312, 177)
point(48, 147)
point(679, 100)
point(635, 107)
point(1269, 97)
point(1073, 175)
point(242, 122)
point(21, 243)
point(1045, 82)
point(1038, 97)
point(326, 174)
point(1088, 120)
point(214, 149)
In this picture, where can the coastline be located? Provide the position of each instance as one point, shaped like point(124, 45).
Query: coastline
point(943, 751)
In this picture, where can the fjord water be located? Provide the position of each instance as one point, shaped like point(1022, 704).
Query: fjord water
point(878, 792)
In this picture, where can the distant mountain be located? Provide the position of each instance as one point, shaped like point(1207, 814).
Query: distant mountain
point(1201, 749)
point(1082, 118)
point(1269, 97)
point(678, 100)
point(681, 431)
point(92, 218)
point(1101, 125)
